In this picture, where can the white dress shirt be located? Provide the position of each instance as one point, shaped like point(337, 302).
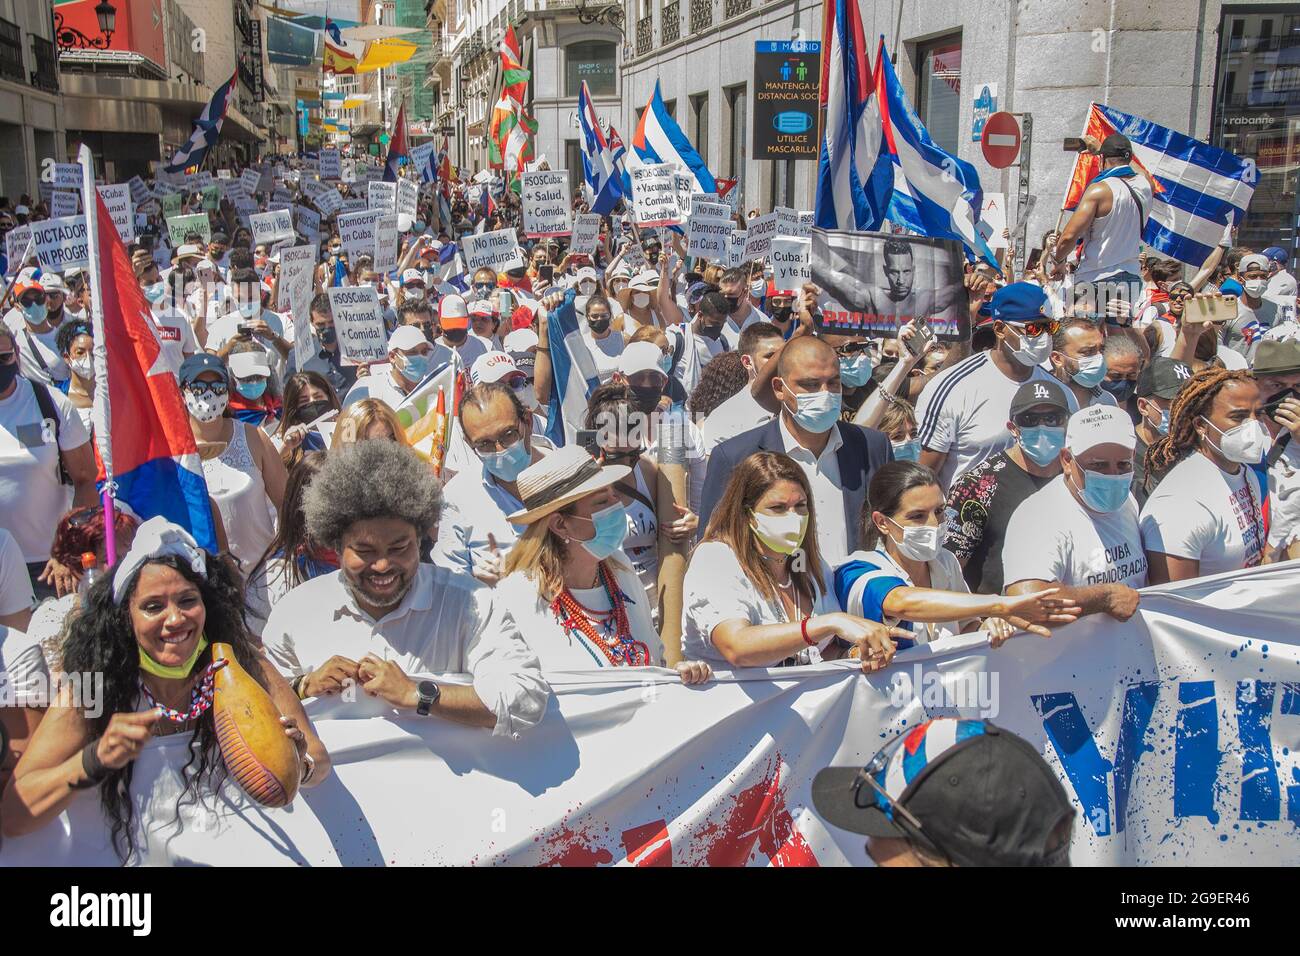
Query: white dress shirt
point(828, 496)
point(444, 625)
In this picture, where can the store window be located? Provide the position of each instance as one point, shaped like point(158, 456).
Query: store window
point(1257, 115)
point(594, 61)
point(939, 89)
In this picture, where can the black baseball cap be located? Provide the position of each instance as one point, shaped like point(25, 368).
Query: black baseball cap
point(981, 796)
point(1039, 392)
point(1163, 377)
point(1116, 144)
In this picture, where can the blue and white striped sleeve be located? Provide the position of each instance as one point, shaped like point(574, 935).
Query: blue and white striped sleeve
point(862, 587)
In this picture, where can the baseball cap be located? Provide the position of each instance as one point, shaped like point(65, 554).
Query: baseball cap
point(1038, 392)
point(1116, 144)
point(21, 210)
point(1275, 358)
point(640, 357)
point(1275, 254)
point(493, 366)
point(1254, 259)
point(1099, 425)
point(982, 795)
point(586, 273)
point(27, 284)
point(53, 283)
point(407, 337)
point(1164, 377)
point(249, 364)
point(1230, 287)
point(645, 281)
point(1019, 302)
point(696, 292)
point(452, 313)
point(412, 275)
point(482, 307)
point(220, 238)
point(200, 362)
point(520, 340)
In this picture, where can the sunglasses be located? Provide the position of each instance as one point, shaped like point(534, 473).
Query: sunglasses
point(1034, 419)
point(37, 298)
point(216, 388)
point(1036, 328)
point(868, 774)
point(851, 348)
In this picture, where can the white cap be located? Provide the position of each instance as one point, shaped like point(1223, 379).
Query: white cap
point(21, 210)
point(53, 282)
point(492, 367)
point(520, 340)
point(1099, 425)
point(482, 307)
point(1254, 259)
point(189, 249)
point(586, 272)
point(407, 337)
point(412, 275)
point(249, 364)
point(452, 307)
point(640, 357)
point(645, 281)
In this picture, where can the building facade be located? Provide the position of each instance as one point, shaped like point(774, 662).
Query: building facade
point(31, 109)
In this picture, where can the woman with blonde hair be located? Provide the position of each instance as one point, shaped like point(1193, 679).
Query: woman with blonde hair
point(569, 590)
point(364, 419)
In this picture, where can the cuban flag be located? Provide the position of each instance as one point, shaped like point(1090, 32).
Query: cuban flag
point(659, 139)
point(854, 172)
point(573, 372)
point(207, 130)
point(397, 151)
point(605, 189)
point(935, 194)
point(145, 447)
point(618, 155)
point(1199, 187)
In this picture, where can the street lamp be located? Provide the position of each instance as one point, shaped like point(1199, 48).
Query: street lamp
point(611, 14)
point(70, 38)
point(106, 14)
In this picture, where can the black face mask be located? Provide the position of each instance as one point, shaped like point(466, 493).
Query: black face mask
point(645, 398)
point(708, 330)
point(783, 315)
point(327, 335)
point(7, 374)
point(734, 302)
point(599, 326)
point(455, 336)
point(312, 411)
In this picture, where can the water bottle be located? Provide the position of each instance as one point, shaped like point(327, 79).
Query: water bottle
point(89, 570)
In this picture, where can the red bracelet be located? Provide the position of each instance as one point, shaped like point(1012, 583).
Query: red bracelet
point(803, 628)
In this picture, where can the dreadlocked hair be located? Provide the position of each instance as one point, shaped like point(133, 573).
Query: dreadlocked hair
point(1189, 406)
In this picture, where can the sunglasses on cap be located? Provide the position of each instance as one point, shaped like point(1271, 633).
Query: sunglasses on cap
point(1036, 327)
point(880, 797)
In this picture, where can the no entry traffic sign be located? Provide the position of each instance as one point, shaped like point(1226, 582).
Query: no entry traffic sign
point(1000, 140)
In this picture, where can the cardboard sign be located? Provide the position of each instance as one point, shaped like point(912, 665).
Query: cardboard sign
point(273, 226)
point(64, 203)
point(139, 191)
point(359, 320)
point(15, 244)
point(61, 244)
point(498, 250)
point(178, 227)
point(787, 221)
point(306, 221)
point(211, 197)
point(791, 263)
point(171, 204)
point(545, 201)
point(586, 234)
point(422, 159)
point(685, 184)
point(295, 262)
point(117, 200)
point(708, 237)
point(759, 236)
point(654, 195)
point(993, 220)
point(408, 198)
point(330, 168)
point(736, 255)
point(250, 178)
point(328, 201)
point(386, 234)
point(381, 196)
point(357, 232)
point(67, 176)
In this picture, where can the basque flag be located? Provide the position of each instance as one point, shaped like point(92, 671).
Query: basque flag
point(142, 432)
point(207, 130)
point(1199, 187)
point(659, 139)
point(573, 372)
point(854, 172)
point(597, 159)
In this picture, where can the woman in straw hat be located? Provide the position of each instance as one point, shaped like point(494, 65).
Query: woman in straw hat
point(568, 588)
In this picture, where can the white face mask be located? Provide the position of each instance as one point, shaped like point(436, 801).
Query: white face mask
point(921, 542)
point(84, 367)
point(1033, 351)
point(205, 407)
point(782, 533)
point(641, 300)
point(1244, 444)
point(527, 396)
point(587, 287)
point(414, 295)
point(1255, 287)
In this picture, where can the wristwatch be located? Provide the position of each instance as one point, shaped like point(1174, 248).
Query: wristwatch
point(429, 693)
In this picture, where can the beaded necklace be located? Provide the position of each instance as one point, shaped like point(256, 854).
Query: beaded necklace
point(200, 696)
point(616, 643)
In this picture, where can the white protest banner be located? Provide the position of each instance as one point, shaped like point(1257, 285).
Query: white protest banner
point(270, 227)
point(139, 191)
point(15, 243)
point(203, 180)
point(634, 256)
point(295, 262)
point(329, 164)
point(355, 204)
point(250, 178)
point(709, 209)
point(1174, 735)
point(381, 196)
point(348, 169)
point(806, 219)
point(685, 184)
point(654, 195)
point(421, 156)
point(408, 198)
point(787, 221)
point(328, 201)
point(357, 232)
point(386, 243)
point(497, 250)
point(586, 234)
point(708, 237)
point(758, 239)
point(736, 254)
point(223, 174)
point(117, 200)
point(60, 244)
point(993, 220)
point(791, 263)
point(359, 320)
point(178, 227)
point(280, 199)
point(545, 200)
point(306, 222)
point(64, 203)
point(67, 176)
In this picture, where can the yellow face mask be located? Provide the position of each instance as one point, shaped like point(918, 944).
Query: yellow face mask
point(181, 671)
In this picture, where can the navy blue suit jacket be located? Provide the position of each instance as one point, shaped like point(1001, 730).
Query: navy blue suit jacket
point(863, 451)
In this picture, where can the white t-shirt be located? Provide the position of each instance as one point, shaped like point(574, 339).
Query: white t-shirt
point(606, 352)
point(227, 328)
point(175, 335)
point(964, 411)
point(32, 499)
point(1200, 512)
point(34, 344)
point(1051, 537)
point(469, 350)
point(15, 584)
point(378, 384)
point(735, 416)
point(23, 671)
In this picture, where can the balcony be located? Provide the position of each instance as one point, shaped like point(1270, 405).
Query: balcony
point(46, 75)
point(734, 8)
point(701, 15)
point(11, 52)
point(644, 35)
point(671, 24)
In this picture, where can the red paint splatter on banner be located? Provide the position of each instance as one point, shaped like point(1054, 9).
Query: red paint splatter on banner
point(757, 816)
point(574, 846)
point(649, 845)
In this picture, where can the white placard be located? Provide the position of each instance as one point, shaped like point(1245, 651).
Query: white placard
point(15, 243)
point(250, 178)
point(805, 224)
point(357, 232)
point(703, 208)
point(408, 198)
point(586, 234)
point(685, 184)
point(635, 256)
point(498, 250)
point(139, 191)
point(708, 237)
point(280, 199)
point(273, 226)
point(306, 222)
point(61, 244)
point(354, 204)
point(178, 227)
point(359, 320)
point(330, 167)
point(759, 235)
point(654, 195)
point(791, 263)
point(67, 176)
point(545, 200)
point(787, 221)
point(223, 174)
point(64, 203)
point(381, 196)
point(993, 220)
point(386, 243)
point(294, 263)
point(117, 200)
point(421, 156)
point(328, 201)
point(737, 255)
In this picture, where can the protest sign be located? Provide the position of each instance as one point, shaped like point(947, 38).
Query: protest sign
point(422, 159)
point(586, 234)
point(46, 190)
point(545, 200)
point(357, 232)
point(806, 218)
point(654, 195)
point(758, 238)
point(117, 200)
point(791, 263)
point(685, 184)
point(250, 179)
point(708, 237)
point(306, 221)
point(328, 201)
point(359, 320)
point(60, 244)
point(171, 204)
point(408, 198)
point(202, 180)
point(270, 227)
point(67, 176)
point(295, 262)
point(355, 204)
point(736, 255)
point(787, 221)
point(64, 203)
point(993, 220)
point(634, 256)
point(223, 174)
point(280, 199)
point(329, 164)
point(498, 250)
point(15, 243)
point(381, 196)
point(386, 243)
point(178, 227)
point(709, 209)
point(211, 197)
point(139, 191)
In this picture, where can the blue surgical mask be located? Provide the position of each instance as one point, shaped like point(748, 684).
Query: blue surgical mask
point(420, 227)
point(1105, 493)
point(414, 367)
point(249, 309)
point(907, 450)
point(1092, 369)
point(817, 412)
point(855, 370)
point(1042, 444)
point(154, 293)
point(1121, 389)
point(611, 529)
point(666, 364)
point(251, 390)
point(509, 464)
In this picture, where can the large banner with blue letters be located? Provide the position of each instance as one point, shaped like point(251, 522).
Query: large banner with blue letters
point(1177, 734)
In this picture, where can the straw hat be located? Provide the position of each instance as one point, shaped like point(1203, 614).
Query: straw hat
point(561, 478)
